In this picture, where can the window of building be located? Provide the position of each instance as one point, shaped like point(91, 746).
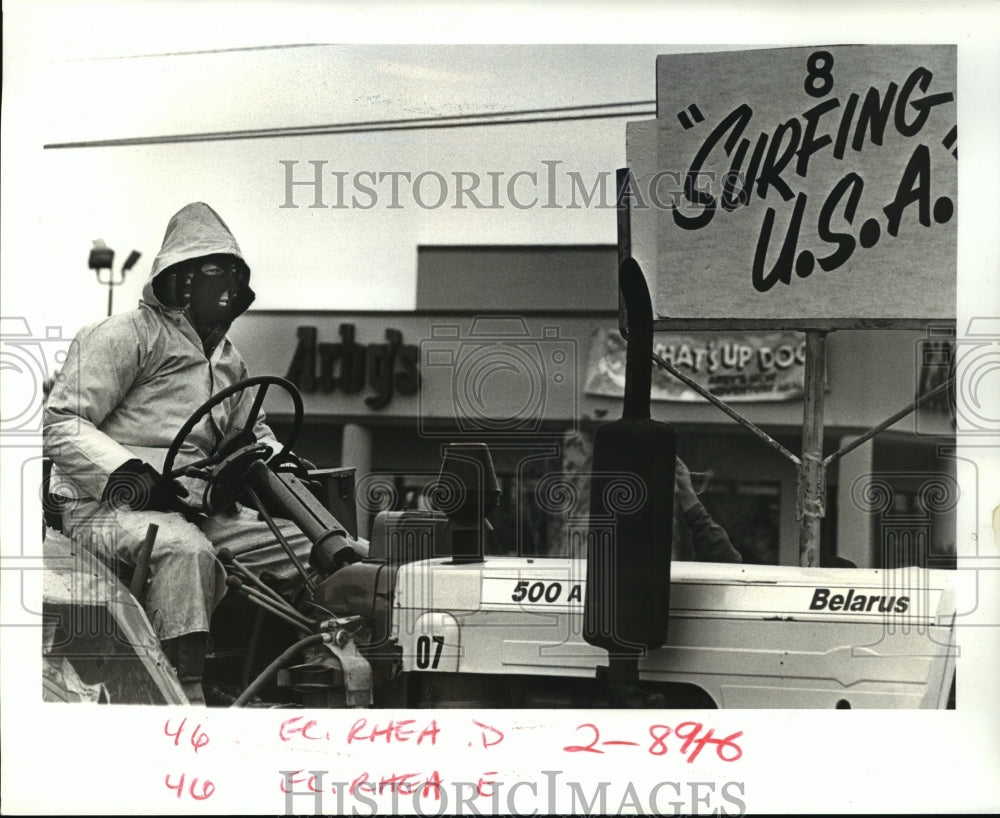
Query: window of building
point(750, 512)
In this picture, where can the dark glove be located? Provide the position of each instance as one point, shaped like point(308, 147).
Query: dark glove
point(289, 461)
point(139, 486)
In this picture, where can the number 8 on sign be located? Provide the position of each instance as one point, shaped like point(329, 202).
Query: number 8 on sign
point(819, 67)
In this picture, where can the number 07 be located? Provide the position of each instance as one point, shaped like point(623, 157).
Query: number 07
point(424, 651)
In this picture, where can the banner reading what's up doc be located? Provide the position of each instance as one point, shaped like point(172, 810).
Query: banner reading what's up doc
point(800, 184)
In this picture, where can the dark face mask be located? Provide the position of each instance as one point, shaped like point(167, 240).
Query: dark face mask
point(213, 294)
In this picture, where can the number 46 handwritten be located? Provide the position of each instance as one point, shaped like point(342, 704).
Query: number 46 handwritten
point(207, 788)
point(198, 739)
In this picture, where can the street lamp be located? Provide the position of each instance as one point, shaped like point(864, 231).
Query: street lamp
point(101, 258)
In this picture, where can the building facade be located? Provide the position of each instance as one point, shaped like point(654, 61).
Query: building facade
point(519, 347)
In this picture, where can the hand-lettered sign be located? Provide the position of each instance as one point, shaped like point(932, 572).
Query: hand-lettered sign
point(737, 366)
point(800, 184)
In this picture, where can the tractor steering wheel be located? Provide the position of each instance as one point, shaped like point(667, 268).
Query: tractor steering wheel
point(261, 381)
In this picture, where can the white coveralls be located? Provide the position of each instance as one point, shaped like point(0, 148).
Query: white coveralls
point(127, 386)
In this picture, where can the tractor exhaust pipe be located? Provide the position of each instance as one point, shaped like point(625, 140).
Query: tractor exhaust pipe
point(627, 602)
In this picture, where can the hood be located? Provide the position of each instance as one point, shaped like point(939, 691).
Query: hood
point(193, 231)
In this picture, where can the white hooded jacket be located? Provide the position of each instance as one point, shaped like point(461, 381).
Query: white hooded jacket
point(131, 381)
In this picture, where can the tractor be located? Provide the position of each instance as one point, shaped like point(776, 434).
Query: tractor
point(425, 619)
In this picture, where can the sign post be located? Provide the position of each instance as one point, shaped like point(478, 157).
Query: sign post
point(812, 472)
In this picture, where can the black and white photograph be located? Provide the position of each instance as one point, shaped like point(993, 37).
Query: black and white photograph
point(501, 409)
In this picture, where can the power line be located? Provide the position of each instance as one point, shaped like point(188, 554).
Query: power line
point(196, 52)
point(571, 113)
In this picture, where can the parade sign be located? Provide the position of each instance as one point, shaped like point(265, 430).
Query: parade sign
point(800, 184)
point(735, 366)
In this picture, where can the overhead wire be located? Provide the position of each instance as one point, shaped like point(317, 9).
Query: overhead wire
point(569, 113)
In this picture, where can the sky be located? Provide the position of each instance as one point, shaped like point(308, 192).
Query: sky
point(358, 257)
point(84, 71)
point(151, 69)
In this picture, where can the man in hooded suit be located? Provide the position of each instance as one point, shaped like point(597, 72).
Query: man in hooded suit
point(127, 386)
